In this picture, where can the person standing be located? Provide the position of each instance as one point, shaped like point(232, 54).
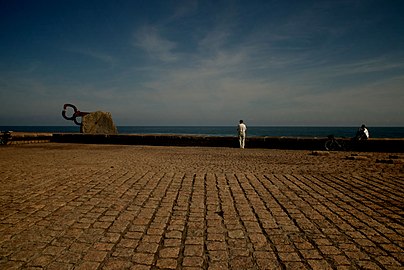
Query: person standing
point(241, 133)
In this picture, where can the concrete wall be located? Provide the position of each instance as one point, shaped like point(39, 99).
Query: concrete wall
point(306, 143)
point(299, 143)
point(30, 137)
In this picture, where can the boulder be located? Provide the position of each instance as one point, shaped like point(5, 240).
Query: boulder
point(98, 123)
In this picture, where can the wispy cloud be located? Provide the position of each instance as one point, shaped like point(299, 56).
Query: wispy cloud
point(97, 55)
point(183, 9)
point(364, 66)
point(149, 39)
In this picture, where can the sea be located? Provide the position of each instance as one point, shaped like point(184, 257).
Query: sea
point(272, 131)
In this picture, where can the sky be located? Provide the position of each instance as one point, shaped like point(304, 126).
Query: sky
point(193, 63)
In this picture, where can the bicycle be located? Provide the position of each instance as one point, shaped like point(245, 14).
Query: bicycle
point(333, 145)
point(5, 137)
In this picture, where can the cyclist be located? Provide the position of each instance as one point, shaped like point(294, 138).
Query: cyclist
point(362, 133)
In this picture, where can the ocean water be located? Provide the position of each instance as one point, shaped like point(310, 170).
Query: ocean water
point(277, 131)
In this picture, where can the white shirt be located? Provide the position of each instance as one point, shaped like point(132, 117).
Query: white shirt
point(241, 129)
point(366, 131)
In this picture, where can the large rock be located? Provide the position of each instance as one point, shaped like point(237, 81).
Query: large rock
point(98, 123)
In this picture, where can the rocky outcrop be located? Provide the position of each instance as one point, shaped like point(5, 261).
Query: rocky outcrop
point(98, 123)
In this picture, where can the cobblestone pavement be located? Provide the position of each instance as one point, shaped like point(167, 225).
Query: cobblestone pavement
point(69, 206)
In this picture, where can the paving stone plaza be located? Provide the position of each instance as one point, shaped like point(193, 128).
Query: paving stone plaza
point(76, 206)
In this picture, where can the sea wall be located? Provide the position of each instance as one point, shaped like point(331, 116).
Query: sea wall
point(298, 143)
point(30, 137)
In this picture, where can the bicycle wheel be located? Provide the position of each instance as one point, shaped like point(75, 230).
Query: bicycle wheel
point(341, 146)
point(330, 145)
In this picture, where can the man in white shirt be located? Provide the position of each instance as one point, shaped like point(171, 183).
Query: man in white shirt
point(241, 133)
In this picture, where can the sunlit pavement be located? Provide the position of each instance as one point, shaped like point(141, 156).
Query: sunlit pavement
point(69, 206)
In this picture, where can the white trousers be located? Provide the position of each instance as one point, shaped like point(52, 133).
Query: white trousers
point(241, 139)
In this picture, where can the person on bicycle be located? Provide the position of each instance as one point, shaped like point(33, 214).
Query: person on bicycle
point(362, 133)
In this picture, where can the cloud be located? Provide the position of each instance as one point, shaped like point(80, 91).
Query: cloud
point(183, 9)
point(91, 53)
point(368, 65)
point(149, 39)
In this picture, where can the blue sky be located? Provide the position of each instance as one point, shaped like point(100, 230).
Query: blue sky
point(316, 63)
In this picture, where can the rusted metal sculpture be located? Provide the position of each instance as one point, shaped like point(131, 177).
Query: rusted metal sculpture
point(76, 113)
point(91, 123)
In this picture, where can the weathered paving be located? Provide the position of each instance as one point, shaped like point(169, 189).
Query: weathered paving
point(70, 206)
